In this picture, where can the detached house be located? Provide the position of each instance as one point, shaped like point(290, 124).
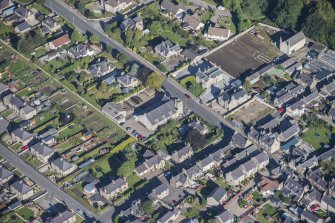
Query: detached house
point(159, 113)
point(115, 6)
point(217, 196)
point(42, 152)
point(192, 22)
point(51, 25)
point(182, 154)
point(132, 23)
point(81, 50)
point(5, 175)
point(113, 189)
point(215, 33)
point(22, 190)
point(59, 42)
point(62, 167)
point(209, 163)
point(24, 13)
point(167, 49)
point(22, 136)
point(225, 217)
point(172, 10)
point(101, 68)
point(127, 81)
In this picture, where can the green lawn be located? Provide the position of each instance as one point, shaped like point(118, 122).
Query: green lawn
point(266, 210)
point(173, 37)
point(32, 160)
point(4, 29)
point(191, 85)
point(69, 131)
point(317, 136)
point(26, 213)
point(257, 196)
point(11, 217)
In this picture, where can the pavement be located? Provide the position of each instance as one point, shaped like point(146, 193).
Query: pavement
point(50, 187)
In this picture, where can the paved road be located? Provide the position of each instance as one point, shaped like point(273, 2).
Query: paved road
point(172, 87)
point(45, 183)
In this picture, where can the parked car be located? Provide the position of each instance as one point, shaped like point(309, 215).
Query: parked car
point(128, 129)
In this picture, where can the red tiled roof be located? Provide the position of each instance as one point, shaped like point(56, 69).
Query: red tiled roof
point(60, 41)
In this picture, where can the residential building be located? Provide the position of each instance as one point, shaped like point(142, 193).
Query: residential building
point(310, 217)
point(192, 22)
point(113, 189)
point(132, 23)
point(80, 50)
point(169, 217)
point(59, 42)
point(182, 154)
point(64, 217)
point(115, 111)
point(22, 190)
point(235, 177)
point(195, 172)
point(159, 113)
point(22, 27)
point(51, 25)
point(152, 164)
point(3, 125)
point(42, 152)
point(216, 33)
point(115, 6)
point(24, 13)
point(5, 4)
point(225, 217)
point(22, 136)
point(127, 81)
point(289, 132)
point(267, 187)
point(209, 76)
point(19, 107)
point(293, 44)
point(293, 188)
point(238, 140)
point(233, 98)
point(328, 203)
point(172, 10)
point(167, 49)
point(4, 90)
point(217, 197)
point(159, 193)
point(208, 163)
point(101, 68)
point(62, 167)
point(269, 142)
point(5, 175)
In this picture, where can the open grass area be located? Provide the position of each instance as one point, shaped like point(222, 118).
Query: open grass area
point(69, 131)
point(266, 212)
point(26, 213)
point(191, 85)
point(317, 136)
point(257, 196)
point(11, 217)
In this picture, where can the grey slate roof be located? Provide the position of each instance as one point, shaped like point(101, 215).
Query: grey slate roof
point(42, 149)
point(158, 190)
point(15, 101)
point(225, 216)
point(21, 187)
point(160, 111)
point(239, 140)
point(166, 47)
point(296, 38)
point(3, 125)
point(113, 186)
point(101, 67)
point(3, 87)
point(310, 216)
point(184, 151)
point(4, 173)
point(170, 7)
point(261, 158)
point(218, 193)
point(22, 134)
point(62, 164)
point(328, 200)
point(292, 130)
point(62, 217)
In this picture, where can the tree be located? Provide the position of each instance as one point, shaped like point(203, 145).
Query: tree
point(77, 37)
point(94, 39)
point(255, 8)
point(195, 139)
point(126, 169)
point(122, 58)
point(130, 38)
point(247, 86)
point(154, 81)
point(147, 207)
point(287, 13)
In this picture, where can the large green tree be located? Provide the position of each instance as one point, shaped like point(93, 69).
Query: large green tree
point(154, 81)
point(287, 13)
